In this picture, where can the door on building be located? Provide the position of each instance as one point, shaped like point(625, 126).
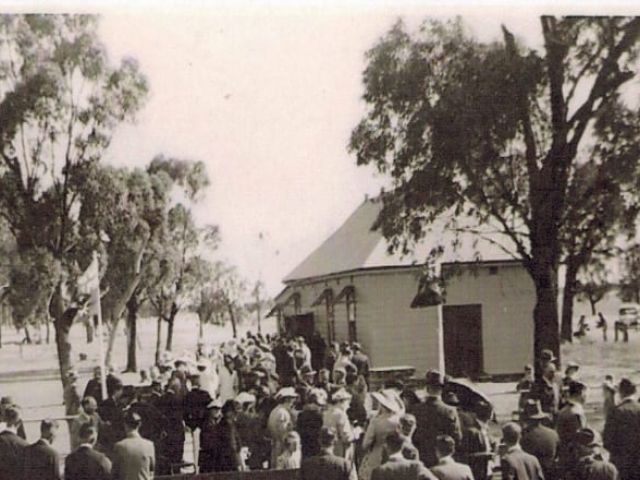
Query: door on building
point(462, 332)
point(302, 324)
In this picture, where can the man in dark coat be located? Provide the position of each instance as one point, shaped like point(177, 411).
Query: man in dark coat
point(85, 463)
point(571, 419)
point(516, 463)
point(622, 432)
point(397, 467)
point(209, 438)
point(111, 414)
point(476, 447)
point(195, 404)
point(318, 348)
point(172, 451)
point(538, 439)
point(591, 463)
point(433, 418)
point(361, 361)
point(41, 461)
point(12, 447)
point(227, 455)
point(94, 386)
point(309, 424)
point(325, 465)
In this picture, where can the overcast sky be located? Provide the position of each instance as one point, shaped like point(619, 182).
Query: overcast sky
point(266, 94)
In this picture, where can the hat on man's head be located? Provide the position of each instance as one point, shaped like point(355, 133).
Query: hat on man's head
point(547, 355)
point(216, 403)
point(626, 386)
point(587, 437)
point(576, 388)
point(386, 399)
point(245, 397)
point(434, 378)
point(533, 410)
point(572, 366)
point(8, 400)
point(356, 346)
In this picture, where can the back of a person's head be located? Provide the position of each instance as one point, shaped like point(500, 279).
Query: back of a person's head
point(511, 433)
point(132, 420)
point(48, 427)
point(11, 415)
point(87, 433)
point(407, 423)
point(445, 445)
point(327, 437)
point(394, 442)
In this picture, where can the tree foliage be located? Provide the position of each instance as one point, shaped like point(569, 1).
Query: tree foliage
point(490, 136)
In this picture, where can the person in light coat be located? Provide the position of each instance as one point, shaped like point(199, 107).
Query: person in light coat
point(281, 422)
point(335, 417)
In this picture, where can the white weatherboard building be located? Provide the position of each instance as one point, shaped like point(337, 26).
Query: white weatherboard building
point(351, 289)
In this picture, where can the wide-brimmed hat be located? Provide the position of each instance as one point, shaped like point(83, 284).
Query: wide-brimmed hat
point(572, 366)
point(215, 403)
point(587, 437)
point(435, 378)
point(340, 395)
point(385, 399)
point(533, 410)
point(286, 392)
point(245, 397)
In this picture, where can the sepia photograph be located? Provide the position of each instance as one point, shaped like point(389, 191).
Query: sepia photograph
point(319, 240)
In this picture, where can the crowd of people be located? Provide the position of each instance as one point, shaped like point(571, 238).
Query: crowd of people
point(274, 402)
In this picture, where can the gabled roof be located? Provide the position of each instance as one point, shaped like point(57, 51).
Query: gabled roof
point(354, 246)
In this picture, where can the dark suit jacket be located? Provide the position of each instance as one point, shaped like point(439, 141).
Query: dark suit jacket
point(361, 361)
point(324, 467)
point(541, 442)
point(433, 418)
point(519, 465)
point(12, 449)
point(399, 468)
point(308, 425)
point(41, 462)
point(622, 435)
point(87, 464)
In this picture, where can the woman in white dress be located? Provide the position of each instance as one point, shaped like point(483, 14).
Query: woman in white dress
point(385, 422)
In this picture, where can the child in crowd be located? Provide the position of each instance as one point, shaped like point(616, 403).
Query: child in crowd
point(291, 457)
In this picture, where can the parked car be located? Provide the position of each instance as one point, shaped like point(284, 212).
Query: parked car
point(629, 314)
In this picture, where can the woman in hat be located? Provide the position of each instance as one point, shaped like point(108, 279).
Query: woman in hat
point(386, 421)
point(335, 416)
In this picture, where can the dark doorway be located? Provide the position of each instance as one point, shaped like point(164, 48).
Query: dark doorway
point(302, 324)
point(462, 331)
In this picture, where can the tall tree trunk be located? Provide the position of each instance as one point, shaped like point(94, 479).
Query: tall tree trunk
point(132, 326)
point(200, 327)
point(158, 340)
point(169, 344)
point(592, 304)
point(545, 313)
point(62, 321)
point(570, 280)
point(48, 327)
point(88, 327)
point(232, 317)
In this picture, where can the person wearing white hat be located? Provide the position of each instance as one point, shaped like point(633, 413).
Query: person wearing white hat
point(386, 421)
point(209, 381)
point(281, 421)
point(335, 416)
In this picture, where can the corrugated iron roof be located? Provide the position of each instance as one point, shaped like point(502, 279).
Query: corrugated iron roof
point(354, 246)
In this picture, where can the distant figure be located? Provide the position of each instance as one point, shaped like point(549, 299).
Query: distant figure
point(326, 465)
point(85, 463)
point(41, 461)
point(447, 468)
point(516, 463)
point(12, 447)
point(133, 457)
point(602, 323)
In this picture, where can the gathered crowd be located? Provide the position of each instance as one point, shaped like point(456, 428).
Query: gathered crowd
point(288, 403)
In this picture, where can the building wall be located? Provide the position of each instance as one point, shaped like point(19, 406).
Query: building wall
point(507, 298)
point(390, 331)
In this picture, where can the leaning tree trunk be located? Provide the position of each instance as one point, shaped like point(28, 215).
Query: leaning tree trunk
point(27, 335)
point(132, 327)
point(62, 321)
point(592, 303)
point(158, 340)
point(566, 326)
point(232, 317)
point(48, 330)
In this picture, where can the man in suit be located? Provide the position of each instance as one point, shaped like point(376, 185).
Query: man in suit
point(195, 404)
point(361, 361)
point(326, 465)
point(397, 467)
point(12, 447)
point(88, 414)
point(592, 464)
point(447, 468)
point(41, 461)
point(433, 418)
point(309, 424)
point(571, 419)
point(134, 457)
point(622, 432)
point(94, 386)
point(516, 463)
point(85, 463)
point(538, 439)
